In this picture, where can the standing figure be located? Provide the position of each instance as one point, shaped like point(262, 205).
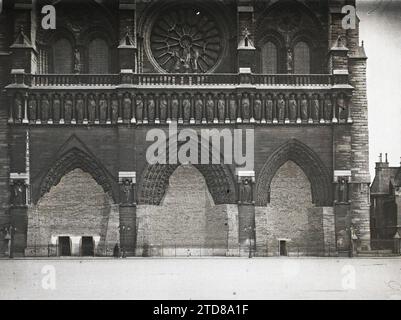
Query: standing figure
point(304, 107)
point(19, 107)
point(257, 108)
point(328, 108)
point(292, 107)
point(56, 108)
point(151, 108)
point(342, 108)
point(198, 108)
point(68, 105)
point(114, 108)
point(32, 108)
point(246, 191)
point(139, 109)
point(91, 108)
point(280, 107)
point(233, 108)
point(103, 109)
point(289, 61)
point(19, 195)
point(210, 108)
point(80, 108)
point(175, 105)
point(186, 105)
point(221, 105)
point(163, 106)
point(246, 107)
point(77, 61)
point(127, 104)
point(44, 108)
point(315, 108)
point(269, 108)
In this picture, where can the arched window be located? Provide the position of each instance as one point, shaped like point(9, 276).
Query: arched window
point(62, 56)
point(98, 53)
point(301, 58)
point(269, 58)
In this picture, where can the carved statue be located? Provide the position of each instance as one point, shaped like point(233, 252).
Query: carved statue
point(289, 61)
point(246, 191)
point(56, 108)
point(257, 108)
point(103, 108)
point(198, 108)
point(32, 108)
point(19, 196)
point(315, 108)
point(77, 61)
point(127, 103)
point(114, 108)
point(342, 108)
point(292, 107)
point(91, 108)
point(342, 190)
point(246, 104)
point(163, 108)
point(80, 108)
point(304, 108)
point(126, 192)
point(44, 108)
point(233, 108)
point(19, 107)
point(175, 105)
point(328, 108)
point(269, 108)
point(186, 105)
point(280, 107)
point(68, 105)
point(221, 104)
point(210, 108)
point(139, 108)
point(151, 108)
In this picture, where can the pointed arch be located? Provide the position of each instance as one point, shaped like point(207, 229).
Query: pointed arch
point(308, 161)
point(76, 159)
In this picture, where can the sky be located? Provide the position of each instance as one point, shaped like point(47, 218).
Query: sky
point(380, 29)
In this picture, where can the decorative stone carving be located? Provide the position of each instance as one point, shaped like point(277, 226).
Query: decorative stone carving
point(186, 105)
point(151, 108)
point(342, 107)
point(210, 108)
point(175, 106)
point(127, 182)
point(186, 39)
point(280, 108)
point(68, 107)
point(80, 108)
point(114, 106)
point(103, 109)
point(19, 107)
point(44, 108)
point(92, 108)
point(292, 107)
point(77, 61)
point(32, 108)
point(163, 108)
point(328, 108)
point(18, 193)
point(315, 108)
point(221, 105)
point(139, 109)
point(232, 108)
point(304, 107)
point(269, 108)
point(290, 61)
point(257, 108)
point(246, 107)
point(246, 182)
point(127, 105)
point(56, 108)
point(198, 108)
point(342, 190)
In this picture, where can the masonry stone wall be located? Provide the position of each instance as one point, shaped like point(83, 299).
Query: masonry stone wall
point(290, 215)
point(76, 207)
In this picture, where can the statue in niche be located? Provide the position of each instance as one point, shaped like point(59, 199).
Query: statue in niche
point(315, 108)
point(289, 61)
point(126, 192)
point(342, 190)
point(304, 107)
point(44, 108)
point(163, 106)
point(139, 108)
point(19, 107)
point(342, 108)
point(151, 108)
point(269, 108)
point(257, 108)
point(103, 112)
point(292, 107)
point(246, 191)
point(186, 105)
point(77, 61)
point(68, 106)
point(198, 108)
point(175, 105)
point(246, 107)
point(19, 194)
point(80, 108)
point(32, 108)
point(127, 103)
point(114, 108)
point(328, 108)
point(210, 108)
point(221, 105)
point(280, 107)
point(56, 108)
point(233, 108)
point(91, 108)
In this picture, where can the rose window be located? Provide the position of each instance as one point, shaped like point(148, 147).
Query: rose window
point(186, 40)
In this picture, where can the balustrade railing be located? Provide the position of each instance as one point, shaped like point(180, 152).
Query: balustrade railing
point(59, 80)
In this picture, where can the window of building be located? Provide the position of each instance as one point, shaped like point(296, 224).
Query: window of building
point(64, 246)
point(98, 53)
point(62, 57)
point(269, 58)
point(301, 58)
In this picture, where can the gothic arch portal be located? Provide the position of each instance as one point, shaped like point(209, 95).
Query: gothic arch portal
point(76, 159)
point(308, 161)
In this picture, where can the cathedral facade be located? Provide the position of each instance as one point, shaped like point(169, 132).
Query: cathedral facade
point(79, 100)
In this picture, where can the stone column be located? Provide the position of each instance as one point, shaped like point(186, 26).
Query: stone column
point(246, 212)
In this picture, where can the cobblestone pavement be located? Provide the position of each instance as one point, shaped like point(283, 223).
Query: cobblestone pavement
point(203, 278)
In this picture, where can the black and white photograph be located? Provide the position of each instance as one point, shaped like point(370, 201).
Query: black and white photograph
point(200, 150)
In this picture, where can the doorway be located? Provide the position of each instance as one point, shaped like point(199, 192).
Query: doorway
point(87, 247)
point(64, 246)
point(283, 248)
